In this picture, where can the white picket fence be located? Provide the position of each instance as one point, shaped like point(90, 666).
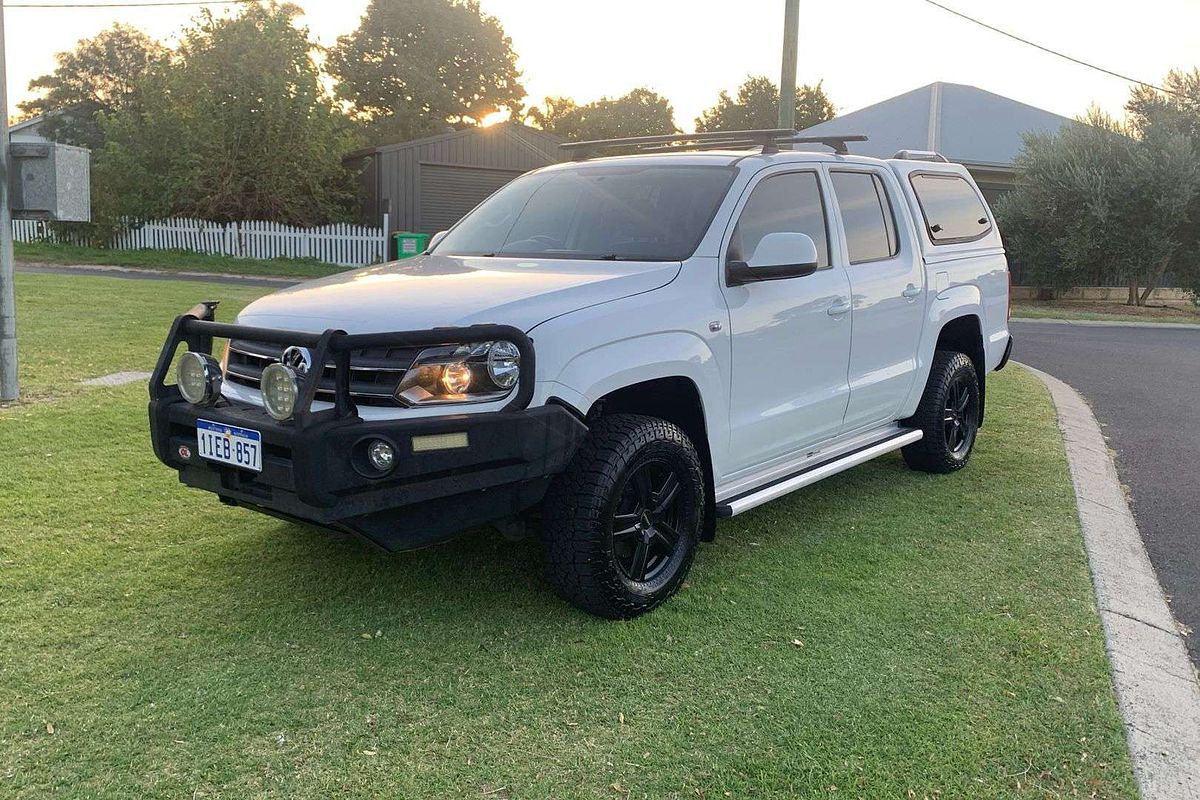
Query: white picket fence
point(343, 244)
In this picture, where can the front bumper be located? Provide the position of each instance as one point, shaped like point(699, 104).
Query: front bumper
point(312, 464)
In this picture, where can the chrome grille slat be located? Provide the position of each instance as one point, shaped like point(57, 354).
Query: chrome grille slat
point(374, 373)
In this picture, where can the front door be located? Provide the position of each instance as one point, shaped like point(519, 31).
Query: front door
point(790, 338)
point(887, 277)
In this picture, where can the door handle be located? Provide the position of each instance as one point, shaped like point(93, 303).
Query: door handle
point(838, 308)
point(910, 291)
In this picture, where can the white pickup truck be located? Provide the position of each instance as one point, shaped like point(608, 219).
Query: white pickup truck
point(614, 352)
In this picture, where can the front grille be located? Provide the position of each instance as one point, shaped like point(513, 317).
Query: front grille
point(374, 371)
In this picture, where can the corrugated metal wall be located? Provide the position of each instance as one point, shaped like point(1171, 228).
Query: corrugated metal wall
point(505, 151)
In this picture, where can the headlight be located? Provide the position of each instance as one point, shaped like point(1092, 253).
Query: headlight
point(199, 378)
point(279, 391)
point(469, 373)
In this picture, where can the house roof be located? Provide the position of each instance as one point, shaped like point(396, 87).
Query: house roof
point(964, 123)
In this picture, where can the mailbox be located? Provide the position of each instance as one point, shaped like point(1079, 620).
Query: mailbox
point(50, 181)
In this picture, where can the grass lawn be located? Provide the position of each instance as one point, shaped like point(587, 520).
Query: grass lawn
point(170, 260)
point(883, 634)
point(1113, 312)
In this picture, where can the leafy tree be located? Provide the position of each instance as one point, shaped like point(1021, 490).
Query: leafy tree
point(1153, 114)
point(413, 68)
point(1098, 201)
point(100, 76)
point(641, 112)
point(757, 107)
point(236, 126)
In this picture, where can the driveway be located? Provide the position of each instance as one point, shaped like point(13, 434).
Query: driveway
point(1143, 384)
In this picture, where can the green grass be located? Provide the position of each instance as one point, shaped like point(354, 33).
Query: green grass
point(72, 327)
point(170, 260)
point(154, 643)
point(1109, 312)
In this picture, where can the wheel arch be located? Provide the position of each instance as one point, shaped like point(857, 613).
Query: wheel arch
point(676, 399)
point(965, 334)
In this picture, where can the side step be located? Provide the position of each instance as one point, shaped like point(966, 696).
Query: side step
point(810, 475)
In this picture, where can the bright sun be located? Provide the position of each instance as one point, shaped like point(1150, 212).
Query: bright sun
point(494, 118)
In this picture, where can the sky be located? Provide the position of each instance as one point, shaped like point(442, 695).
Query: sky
point(688, 51)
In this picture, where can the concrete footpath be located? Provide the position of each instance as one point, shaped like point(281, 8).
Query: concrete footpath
point(1156, 685)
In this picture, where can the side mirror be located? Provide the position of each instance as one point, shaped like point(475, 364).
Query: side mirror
point(778, 256)
point(433, 240)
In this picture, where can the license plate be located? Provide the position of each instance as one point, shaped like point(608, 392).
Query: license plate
point(229, 444)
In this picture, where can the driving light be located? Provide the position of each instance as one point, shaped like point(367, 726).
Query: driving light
point(466, 373)
point(456, 378)
point(280, 390)
point(381, 455)
point(504, 364)
point(199, 378)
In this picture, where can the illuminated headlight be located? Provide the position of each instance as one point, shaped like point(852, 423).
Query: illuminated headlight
point(280, 389)
point(469, 373)
point(199, 378)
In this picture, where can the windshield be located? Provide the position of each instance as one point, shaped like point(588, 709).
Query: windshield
point(618, 212)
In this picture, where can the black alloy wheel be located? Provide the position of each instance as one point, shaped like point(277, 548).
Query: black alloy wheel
point(948, 415)
point(621, 524)
point(645, 525)
point(961, 419)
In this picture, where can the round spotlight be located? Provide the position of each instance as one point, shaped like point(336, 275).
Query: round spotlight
point(504, 364)
point(381, 455)
point(199, 378)
point(280, 390)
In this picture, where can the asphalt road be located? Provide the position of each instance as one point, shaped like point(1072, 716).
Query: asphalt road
point(1143, 383)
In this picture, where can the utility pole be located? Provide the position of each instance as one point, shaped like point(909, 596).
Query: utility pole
point(787, 77)
point(8, 311)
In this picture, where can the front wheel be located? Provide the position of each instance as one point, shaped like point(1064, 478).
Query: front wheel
point(620, 525)
point(948, 415)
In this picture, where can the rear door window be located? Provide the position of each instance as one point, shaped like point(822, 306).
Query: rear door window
point(866, 215)
point(952, 209)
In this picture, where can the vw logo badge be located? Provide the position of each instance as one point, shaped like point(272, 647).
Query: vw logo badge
point(298, 358)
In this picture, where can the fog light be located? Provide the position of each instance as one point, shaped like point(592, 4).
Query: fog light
point(381, 455)
point(280, 391)
point(199, 378)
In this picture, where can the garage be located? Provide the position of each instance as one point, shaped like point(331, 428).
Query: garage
point(426, 185)
point(446, 192)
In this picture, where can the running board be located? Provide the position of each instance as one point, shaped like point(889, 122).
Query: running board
point(810, 475)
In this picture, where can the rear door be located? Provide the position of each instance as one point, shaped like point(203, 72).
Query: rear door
point(887, 279)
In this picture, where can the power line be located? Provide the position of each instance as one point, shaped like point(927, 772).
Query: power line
point(129, 5)
point(1050, 51)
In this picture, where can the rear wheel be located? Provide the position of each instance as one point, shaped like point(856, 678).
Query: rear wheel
point(621, 524)
point(948, 415)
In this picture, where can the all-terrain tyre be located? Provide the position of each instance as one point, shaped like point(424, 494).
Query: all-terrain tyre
point(620, 526)
point(948, 415)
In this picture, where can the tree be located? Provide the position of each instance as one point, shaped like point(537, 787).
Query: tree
point(100, 76)
point(641, 112)
point(1153, 114)
point(413, 68)
point(236, 126)
point(757, 107)
point(1098, 202)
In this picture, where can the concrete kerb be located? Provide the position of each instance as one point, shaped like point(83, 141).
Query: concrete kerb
point(1156, 685)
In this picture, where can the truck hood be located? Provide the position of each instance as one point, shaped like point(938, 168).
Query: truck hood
point(432, 291)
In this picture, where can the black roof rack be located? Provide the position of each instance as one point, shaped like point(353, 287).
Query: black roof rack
point(768, 139)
